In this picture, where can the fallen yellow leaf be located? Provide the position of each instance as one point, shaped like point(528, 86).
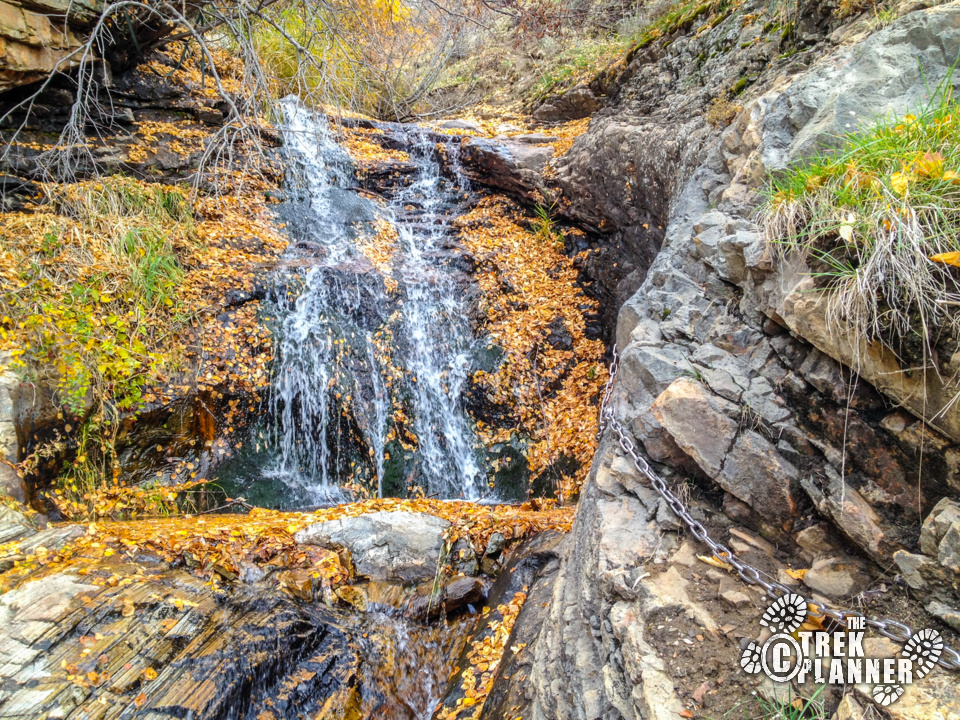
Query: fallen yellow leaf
point(715, 561)
point(947, 258)
point(900, 181)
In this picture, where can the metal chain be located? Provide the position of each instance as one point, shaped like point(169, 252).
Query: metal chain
point(896, 631)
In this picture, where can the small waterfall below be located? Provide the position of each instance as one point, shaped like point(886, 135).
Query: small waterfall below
point(373, 339)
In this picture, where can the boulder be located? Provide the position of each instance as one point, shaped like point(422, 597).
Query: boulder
point(942, 519)
point(460, 125)
point(400, 547)
point(514, 167)
point(461, 592)
point(32, 46)
point(580, 102)
point(755, 473)
point(702, 423)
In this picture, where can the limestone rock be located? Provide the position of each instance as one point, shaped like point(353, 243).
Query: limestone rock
point(816, 541)
point(944, 516)
point(460, 125)
point(848, 709)
point(851, 514)
point(701, 423)
point(950, 615)
point(754, 472)
point(580, 102)
point(914, 568)
point(10, 482)
point(386, 546)
point(733, 593)
point(837, 578)
point(31, 46)
point(13, 525)
point(53, 538)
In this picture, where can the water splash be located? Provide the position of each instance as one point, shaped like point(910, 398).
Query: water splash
point(332, 399)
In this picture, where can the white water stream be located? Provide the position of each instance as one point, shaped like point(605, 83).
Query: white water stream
point(326, 349)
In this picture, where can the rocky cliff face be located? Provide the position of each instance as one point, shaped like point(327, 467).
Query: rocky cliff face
point(730, 380)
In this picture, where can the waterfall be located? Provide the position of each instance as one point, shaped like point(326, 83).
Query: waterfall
point(358, 339)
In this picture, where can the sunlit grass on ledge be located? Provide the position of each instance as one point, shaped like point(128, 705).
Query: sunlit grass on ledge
point(878, 221)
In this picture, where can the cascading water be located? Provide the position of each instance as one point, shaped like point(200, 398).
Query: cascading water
point(363, 342)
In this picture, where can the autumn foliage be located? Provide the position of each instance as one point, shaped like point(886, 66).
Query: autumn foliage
point(218, 547)
point(532, 303)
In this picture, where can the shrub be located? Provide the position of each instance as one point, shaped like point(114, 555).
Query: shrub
point(90, 301)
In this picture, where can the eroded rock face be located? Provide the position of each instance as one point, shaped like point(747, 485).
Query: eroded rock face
point(10, 481)
point(718, 379)
point(387, 546)
point(33, 44)
point(191, 653)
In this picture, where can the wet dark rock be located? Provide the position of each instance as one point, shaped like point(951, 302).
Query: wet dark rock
point(208, 116)
point(509, 166)
point(238, 297)
point(216, 657)
point(559, 337)
point(495, 545)
point(462, 592)
point(531, 568)
point(464, 558)
point(15, 192)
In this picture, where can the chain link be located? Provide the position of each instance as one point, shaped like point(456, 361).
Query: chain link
point(896, 631)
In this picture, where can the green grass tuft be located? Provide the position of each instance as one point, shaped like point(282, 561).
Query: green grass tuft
point(870, 216)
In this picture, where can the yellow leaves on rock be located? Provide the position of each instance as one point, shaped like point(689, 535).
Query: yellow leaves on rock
point(218, 547)
point(180, 66)
point(529, 294)
point(485, 653)
point(379, 248)
point(119, 501)
point(365, 151)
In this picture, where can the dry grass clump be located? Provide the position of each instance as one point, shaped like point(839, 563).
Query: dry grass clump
point(721, 112)
point(878, 220)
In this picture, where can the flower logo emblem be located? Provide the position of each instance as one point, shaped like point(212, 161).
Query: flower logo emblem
point(887, 694)
point(750, 658)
